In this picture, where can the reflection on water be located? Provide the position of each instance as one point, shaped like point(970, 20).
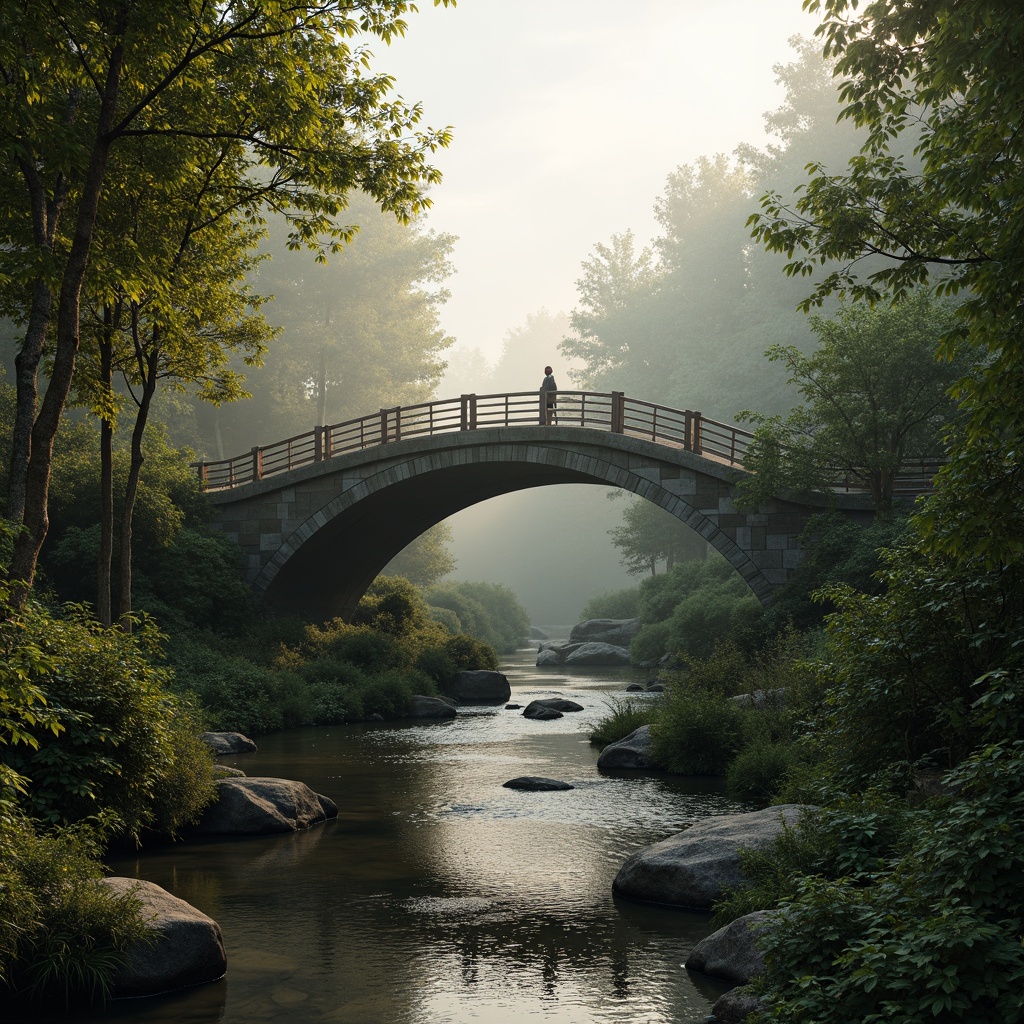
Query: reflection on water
point(438, 896)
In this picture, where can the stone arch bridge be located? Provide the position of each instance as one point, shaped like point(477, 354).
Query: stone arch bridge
point(320, 515)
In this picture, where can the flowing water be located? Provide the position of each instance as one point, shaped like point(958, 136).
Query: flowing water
point(438, 896)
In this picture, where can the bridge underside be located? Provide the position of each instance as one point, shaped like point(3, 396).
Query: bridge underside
point(317, 537)
point(330, 572)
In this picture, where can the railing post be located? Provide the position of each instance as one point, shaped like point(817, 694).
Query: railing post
point(383, 426)
point(696, 445)
point(318, 444)
point(464, 413)
point(618, 412)
point(398, 423)
point(257, 463)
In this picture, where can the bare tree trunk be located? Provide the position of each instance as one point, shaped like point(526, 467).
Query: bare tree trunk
point(148, 370)
point(37, 473)
point(104, 604)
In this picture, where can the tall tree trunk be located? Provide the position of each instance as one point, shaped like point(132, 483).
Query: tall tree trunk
point(148, 364)
point(35, 518)
point(104, 603)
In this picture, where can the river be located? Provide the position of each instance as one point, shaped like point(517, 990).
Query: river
point(438, 896)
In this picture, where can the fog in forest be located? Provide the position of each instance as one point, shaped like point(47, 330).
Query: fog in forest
point(592, 216)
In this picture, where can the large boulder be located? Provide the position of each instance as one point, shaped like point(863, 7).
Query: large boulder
point(633, 751)
point(431, 707)
point(261, 806)
point(548, 657)
point(187, 950)
point(598, 654)
point(731, 953)
point(228, 742)
point(693, 868)
point(481, 686)
point(618, 632)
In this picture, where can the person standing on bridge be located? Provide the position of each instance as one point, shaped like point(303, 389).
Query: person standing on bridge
point(548, 388)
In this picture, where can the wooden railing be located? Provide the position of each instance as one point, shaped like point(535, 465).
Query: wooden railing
point(613, 412)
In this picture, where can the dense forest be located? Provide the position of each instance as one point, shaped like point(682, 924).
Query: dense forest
point(170, 250)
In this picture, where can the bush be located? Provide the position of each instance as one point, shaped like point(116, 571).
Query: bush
point(626, 715)
point(127, 742)
point(697, 732)
point(615, 604)
point(488, 611)
point(62, 937)
point(760, 771)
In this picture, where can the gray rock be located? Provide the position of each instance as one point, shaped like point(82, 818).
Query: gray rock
point(327, 805)
point(261, 806)
point(559, 704)
point(633, 751)
point(548, 657)
point(598, 654)
point(480, 687)
point(223, 771)
point(635, 688)
point(692, 869)
point(431, 707)
point(228, 742)
point(618, 632)
point(535, 709)
point(513, 707)
point(735, 1006)
point(655, 687)
point(536, 782)
point(731, 953)
point(761, 700)
point(188, 948)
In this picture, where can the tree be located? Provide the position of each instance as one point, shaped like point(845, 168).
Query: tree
point(877, 398)
point(943, 79)
point(650, 535)
point(279, 79)
point(359, 332)
point(426, 559)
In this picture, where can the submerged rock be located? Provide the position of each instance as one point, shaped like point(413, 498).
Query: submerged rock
point(431, 707)
point(559, 704)
point(535, 709)
point(188, 948)
point(536, 782)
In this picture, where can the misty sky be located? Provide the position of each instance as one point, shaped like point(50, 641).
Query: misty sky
point(568, 117)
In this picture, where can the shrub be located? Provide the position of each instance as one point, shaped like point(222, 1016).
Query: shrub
point(698, 732)
point(127, 743)
point(626, 715)
point(615, 604)
point(759, 771)
point(488, 611)
point(62, 936)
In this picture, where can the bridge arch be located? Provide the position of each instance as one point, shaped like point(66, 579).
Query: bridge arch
point(317, 536)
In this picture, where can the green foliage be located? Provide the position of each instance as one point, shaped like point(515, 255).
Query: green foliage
point(698, 731)
point(837, 551)
point(488, 611)
point(649, 535)
point(905, 670)
point(616, 604)
point(625, 715)
point(759, 771)
point(126, 743)
point(690, 608)
point(876, 398)
point(63, 937)
point(426, 559)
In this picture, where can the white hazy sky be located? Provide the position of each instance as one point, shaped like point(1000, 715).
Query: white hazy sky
point(568, 116)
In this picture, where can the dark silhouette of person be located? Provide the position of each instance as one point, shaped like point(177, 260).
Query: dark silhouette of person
point(548, 389)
